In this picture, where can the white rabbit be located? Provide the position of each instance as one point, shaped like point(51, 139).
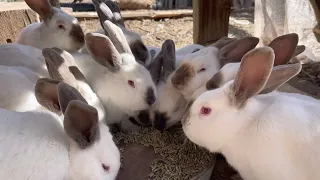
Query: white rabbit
point(122, 84)
point(170, 104)
point(270, 136)
point(58, 29)
point(285, 48)
point(197, 68)
point(14, 54)
point(38, 145)
point(19, 81)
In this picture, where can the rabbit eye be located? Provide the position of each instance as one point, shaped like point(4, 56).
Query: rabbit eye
point(61, 27)
point(105, 167)
point(202, 70)
point(131, 83)
point(205, 110)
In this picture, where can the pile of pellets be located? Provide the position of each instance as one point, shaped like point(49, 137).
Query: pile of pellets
point(181, 159)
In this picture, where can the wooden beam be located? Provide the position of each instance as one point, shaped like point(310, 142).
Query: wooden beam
point(210, 20)
point(150, 14)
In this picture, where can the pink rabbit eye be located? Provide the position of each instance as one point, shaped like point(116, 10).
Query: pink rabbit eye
point(205, 110)
point(105, 167)
point(131, 83)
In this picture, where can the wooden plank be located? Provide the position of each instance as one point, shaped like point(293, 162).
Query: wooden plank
point(210, 20)
point(14, 17)
point(138, 14)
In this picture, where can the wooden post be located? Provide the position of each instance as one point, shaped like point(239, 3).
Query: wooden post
point(210, 20)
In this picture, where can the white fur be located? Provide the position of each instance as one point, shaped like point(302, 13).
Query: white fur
point(113, 89)
point(170, 102)
point(47, 34)
point(228, 72)
point(275, 136)
point(22, 67)
point(180, 53)
point(34, 146)
point(205, 58)
point(13, 54)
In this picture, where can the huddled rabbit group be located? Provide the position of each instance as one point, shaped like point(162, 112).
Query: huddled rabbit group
point(62, 90)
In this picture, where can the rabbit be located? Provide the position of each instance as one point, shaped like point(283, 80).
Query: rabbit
point(197, 68)
point(62, 67)
point(18, 81)
point(269, 136)
point(109, 10)
point(285, 48)
point(39, 145)
point(58, 29)
point(169, 106)
point(122, 84)
point(180, 53)
point(14, 54)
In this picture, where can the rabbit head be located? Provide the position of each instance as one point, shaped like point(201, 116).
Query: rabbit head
point(285, 49)
point(218, 115)
point(93, 154)
point(109, 10)
point(62, 67)
point(58, 29)
point(197, 68)
point(129, 82)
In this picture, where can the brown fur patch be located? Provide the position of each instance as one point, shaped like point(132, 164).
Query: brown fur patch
point(77, 73)
point(77, 34)
point(214, 82)
point(182, 76)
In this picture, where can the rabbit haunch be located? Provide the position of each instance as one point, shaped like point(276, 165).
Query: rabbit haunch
point(39, 145)
point(58, 29)
point(20, 75)
point(266, 136)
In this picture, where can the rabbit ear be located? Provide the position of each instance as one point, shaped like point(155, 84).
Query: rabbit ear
point(81, 123)
point(300, 49)
point(66, 93)
point(252, 76)
point(103, 11)
point(108, 11)
point(280, 75)
point(47, 95)
point(117, 37)
point(103, 51)
point(42, 7)
point(234, 51)
point(223, 42)
point(58, 62)
point(139, 51)
point(155, 68)
point(55, 3)
point(77, 73)
point(214, 82)
point(284, 47)
point(117, 17)
point(169, 57)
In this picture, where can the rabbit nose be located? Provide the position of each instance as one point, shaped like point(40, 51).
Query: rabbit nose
point(160, 121)
point(151, 98)
point(144, 118)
